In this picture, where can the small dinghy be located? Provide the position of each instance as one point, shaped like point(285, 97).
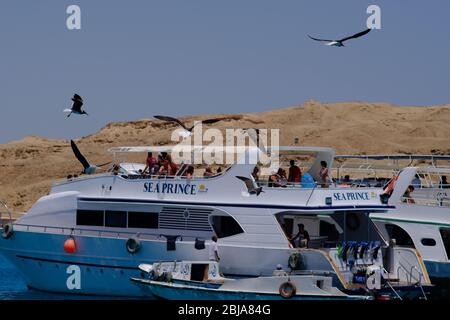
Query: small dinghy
point(201, 280)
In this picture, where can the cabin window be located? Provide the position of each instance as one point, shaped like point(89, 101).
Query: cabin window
point(445, 234)
point(328, 230)
point(143, 220)
point(116, 219)
point(225, 226)
point(428, 242)
point(199, 272)
point(288, 226)
point(401, 237)
point(90, 218)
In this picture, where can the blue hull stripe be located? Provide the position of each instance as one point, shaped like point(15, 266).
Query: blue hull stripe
point(75, 262)
point(246, 205)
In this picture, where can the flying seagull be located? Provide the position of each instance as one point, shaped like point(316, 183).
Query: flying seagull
point(340, 43)
point(250, 185)
point(76, 106)
point(187, 130)
point(87, 167)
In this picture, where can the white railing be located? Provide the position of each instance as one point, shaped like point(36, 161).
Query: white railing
point(437, 199)
point(5, 210)
point(98, 232)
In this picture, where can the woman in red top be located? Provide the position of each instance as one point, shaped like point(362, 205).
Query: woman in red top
point(173, 168)
point(150, 163)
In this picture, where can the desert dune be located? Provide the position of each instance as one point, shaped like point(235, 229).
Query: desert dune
point(29, 166)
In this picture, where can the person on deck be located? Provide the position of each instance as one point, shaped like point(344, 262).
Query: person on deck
point(208, 172)
point(283, 179)
point(407, 195)
point(324, 174)
point(295, 174)
point(150, 164)
point(189, 173)
point(302, 235)
point(214, 250)
point(173, 168)
point(444, 184)
point(274, 180)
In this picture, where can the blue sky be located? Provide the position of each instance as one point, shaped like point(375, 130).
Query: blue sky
point(133, 59)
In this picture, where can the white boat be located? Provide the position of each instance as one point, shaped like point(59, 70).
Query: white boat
point(201, 280)
point(421, 220)
point(88, 235)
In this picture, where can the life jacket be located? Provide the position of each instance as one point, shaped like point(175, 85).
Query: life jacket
point(390, 188)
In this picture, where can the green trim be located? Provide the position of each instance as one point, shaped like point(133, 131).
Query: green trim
point(412, 221)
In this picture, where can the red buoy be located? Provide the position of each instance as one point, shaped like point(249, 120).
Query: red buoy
point(70, 246)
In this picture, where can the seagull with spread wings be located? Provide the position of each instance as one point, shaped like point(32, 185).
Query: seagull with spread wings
point(250, 184)
point(187, 130)
point(87, 167)
point(340, 43)
point(76, 106)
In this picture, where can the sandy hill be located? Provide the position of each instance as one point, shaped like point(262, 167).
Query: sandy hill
point(28, 166)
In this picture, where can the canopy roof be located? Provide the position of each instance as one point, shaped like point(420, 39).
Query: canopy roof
point(395, 157)
point(209, 148)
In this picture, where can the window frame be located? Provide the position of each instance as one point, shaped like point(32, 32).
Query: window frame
point(144, 213)
point(211, 218)
point(125, 213)
point(81, 212)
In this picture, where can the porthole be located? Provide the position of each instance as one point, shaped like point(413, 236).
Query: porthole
point(428, 242)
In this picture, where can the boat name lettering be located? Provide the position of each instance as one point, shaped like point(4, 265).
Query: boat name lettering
point(171, 188)
point(340, 196)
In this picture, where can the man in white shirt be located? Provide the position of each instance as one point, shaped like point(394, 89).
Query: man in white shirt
point(214, 250)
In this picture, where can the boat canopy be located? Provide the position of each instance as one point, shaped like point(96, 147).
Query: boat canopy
point(231, 149)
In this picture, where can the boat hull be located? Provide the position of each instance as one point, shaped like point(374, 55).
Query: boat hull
point(103, 266)
point(169, 292)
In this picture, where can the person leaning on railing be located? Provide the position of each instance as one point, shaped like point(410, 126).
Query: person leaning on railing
point(324, 174)
point(444, 184)
point(407, 195)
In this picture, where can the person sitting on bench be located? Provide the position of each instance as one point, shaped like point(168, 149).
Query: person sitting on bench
point(302, 235)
